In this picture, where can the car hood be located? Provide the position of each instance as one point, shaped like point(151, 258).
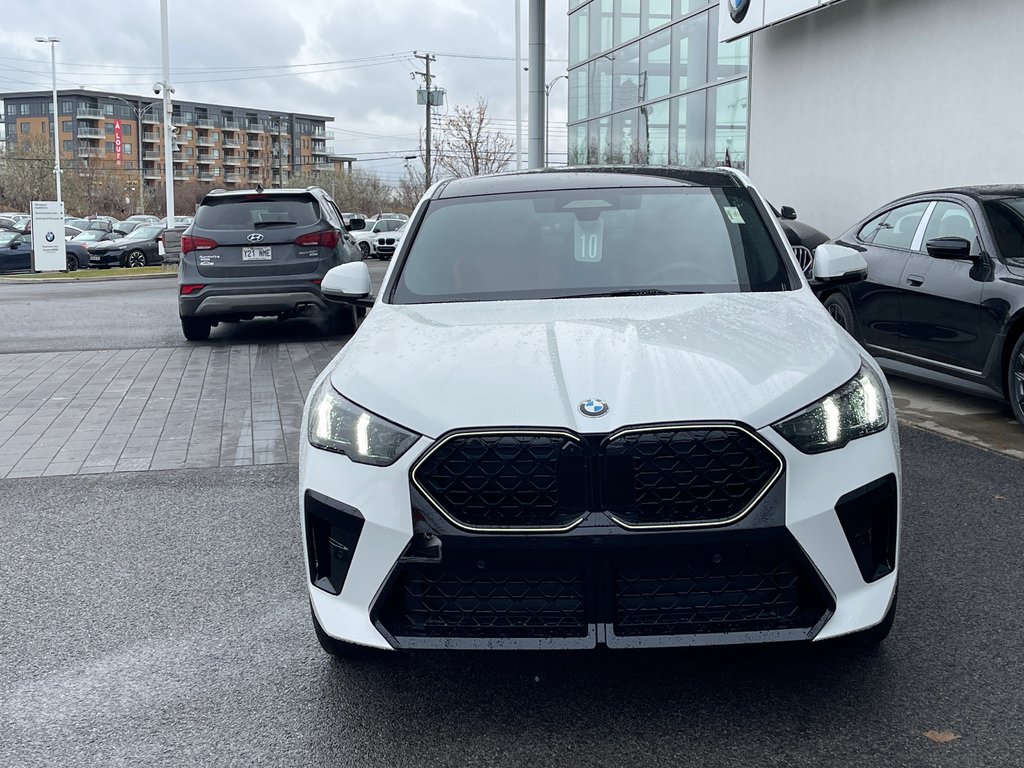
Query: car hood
point(752, 358)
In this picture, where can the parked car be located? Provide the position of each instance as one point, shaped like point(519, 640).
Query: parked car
point(100, 224)
point(12, 224)
point(803, 237)
point(366, 237)
point(70, 233)
point(144, 218)
point(139, 249)
point(386, 244)
point(944, 297)
point(543, 436)
point(125, 227)
point(262, 253)
point(15, 252)
point(180, 222)
point(77, 255)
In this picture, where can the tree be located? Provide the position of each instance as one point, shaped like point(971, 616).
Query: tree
point(468, 146)
point(26, 172)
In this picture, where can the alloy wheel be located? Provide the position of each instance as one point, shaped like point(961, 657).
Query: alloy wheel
point(1017, 379)
point(136, 259)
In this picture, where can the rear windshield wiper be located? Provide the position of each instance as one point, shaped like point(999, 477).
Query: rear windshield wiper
point(631, 292)
point(275, 224)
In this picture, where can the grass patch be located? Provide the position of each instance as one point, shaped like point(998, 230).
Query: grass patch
point(112, 272)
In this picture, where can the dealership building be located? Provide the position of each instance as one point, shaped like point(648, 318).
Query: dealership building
point(831, 107)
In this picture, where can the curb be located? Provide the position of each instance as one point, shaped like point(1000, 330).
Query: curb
point(51, 280)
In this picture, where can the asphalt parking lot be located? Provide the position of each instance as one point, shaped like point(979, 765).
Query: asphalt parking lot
point(159, 618)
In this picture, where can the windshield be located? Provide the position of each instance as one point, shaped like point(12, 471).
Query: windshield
point(581, 243)
point(1007, 219)
point(89, 236)
point(6, 237)
point(144, 233)
point(262, 210)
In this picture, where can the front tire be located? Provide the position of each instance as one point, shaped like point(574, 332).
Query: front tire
point(364, 248)
point(135, 260)
point(195, 329)
point(841, 311)
point(72, 264)
point(341, 321)
point(1015, 379)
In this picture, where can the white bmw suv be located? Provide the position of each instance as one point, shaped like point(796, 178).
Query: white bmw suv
point(618, 415)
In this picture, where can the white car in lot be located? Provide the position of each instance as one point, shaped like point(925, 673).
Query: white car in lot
point(387, 243)
point(545, 437)
point(366, 238)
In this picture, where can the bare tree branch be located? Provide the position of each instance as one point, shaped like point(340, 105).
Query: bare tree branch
point(468, 146)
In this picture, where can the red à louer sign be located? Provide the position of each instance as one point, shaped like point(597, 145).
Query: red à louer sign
point(117, 141)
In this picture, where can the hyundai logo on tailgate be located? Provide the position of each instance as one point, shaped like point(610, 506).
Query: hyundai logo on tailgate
point(255, 237)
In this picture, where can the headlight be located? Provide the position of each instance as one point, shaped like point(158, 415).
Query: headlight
point(856, 409)
point(335, 424)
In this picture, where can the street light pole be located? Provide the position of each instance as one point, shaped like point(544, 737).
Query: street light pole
point(56, 124)
point(547, 115)
point(168, 112)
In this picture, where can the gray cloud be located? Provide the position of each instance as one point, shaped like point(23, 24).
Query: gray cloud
point(234, 53)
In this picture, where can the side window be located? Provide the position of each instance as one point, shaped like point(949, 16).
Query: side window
point(899, 226)
point(952, 220)
point(869, 230)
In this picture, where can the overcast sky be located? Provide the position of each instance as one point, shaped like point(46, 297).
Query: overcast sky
point(354, 59)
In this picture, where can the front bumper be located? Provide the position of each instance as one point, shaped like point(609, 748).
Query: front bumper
point(105, 259)
point(791, 569)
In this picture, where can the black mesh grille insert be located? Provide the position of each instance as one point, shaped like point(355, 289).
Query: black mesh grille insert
point(436, 601)
point(738, 590)
point(506, 481)
point(679, 476)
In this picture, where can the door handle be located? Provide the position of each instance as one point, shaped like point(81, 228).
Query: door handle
point(915, 280)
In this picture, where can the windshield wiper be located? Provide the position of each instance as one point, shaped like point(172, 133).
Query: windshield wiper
point(631, 292)
point(275, 224)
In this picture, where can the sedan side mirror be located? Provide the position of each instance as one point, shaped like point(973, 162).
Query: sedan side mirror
point(788, 213)
point(949, 248)
point(347, 282)
point(838, 265)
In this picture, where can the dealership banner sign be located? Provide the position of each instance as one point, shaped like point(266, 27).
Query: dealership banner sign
point(48, 252)
point(117, 141)
point(738, 18)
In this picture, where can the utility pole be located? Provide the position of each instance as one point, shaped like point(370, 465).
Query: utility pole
point(426, 58)
point(519, 86)
point(167, 90)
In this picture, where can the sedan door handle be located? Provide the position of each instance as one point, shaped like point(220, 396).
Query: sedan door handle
point(915, 280)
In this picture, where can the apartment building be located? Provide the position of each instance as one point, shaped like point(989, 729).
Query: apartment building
point(216, 143)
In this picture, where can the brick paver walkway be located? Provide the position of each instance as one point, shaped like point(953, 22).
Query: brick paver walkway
point(66, 413)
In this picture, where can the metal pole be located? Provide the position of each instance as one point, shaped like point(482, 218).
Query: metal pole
point(519, 86)
point(168, 112)
point(56, 116)
point(536, 88)
point(426, 163)
point(138, 138)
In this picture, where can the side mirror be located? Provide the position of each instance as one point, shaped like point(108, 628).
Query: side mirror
point(788, 213)
point(354, 224)
point(838, 265)
point(949, 248)
point(347, 282)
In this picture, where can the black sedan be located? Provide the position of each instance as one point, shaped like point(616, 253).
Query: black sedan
point(944, 298)
point(141, 248)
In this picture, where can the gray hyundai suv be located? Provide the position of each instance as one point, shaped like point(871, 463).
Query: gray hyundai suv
point(263, 253)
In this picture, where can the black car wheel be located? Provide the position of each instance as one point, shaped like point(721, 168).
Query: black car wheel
point(195, 329)
point(135, 259)
point(341, 321)
point(1015, 383)
point(839, 308)
point(72, 263)
point(365, 248)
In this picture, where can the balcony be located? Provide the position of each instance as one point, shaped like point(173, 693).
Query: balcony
point(232, 160)
point(206, 157)
point(254, 161)
point(90, 133)
point(205, 122)
point(87, 152)
point(233, 178)
point(152, 155)
point(152, 137)
point(181, 175)
point(152, 173)
point(319, 132)
point(205, 141)
point(254, 128)
point(323, 166)
point(89, 113)
point(152, 119)
point(231, 125)
point(209, 174)
point(232, 143)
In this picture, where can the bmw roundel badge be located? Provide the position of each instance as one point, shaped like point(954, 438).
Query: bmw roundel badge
point(593, 408)
point(49, 237)
point(738, 9)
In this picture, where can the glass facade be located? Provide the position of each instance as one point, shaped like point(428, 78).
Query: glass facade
point(649, 83)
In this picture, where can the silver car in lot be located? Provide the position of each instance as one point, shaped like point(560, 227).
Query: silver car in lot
point(256, 253)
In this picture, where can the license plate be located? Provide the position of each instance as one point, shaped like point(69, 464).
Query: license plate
point(256, 253)
point(94, 258)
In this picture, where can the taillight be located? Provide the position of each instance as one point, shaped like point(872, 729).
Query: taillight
point(188, 290)
point(329, 238)
point(190, 243)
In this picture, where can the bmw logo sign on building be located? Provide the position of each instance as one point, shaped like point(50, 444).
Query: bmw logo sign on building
point(593, 407)
point(738, 9)
point(49, 237)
